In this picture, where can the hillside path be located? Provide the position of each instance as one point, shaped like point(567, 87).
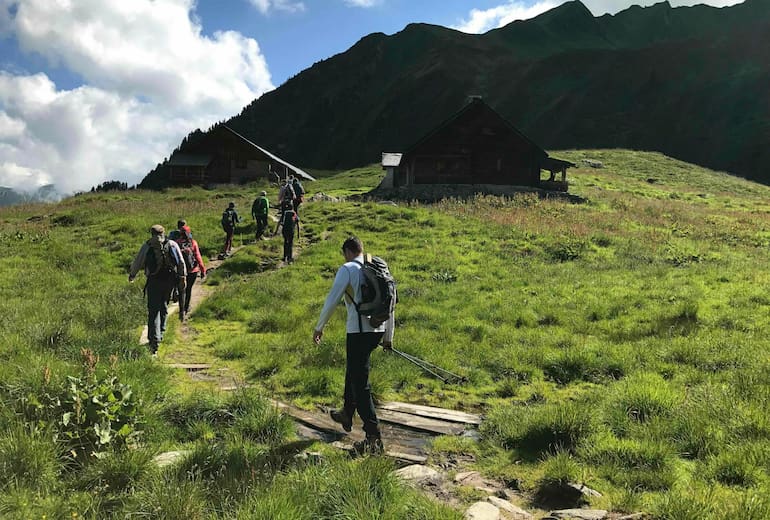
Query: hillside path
point(406, 430)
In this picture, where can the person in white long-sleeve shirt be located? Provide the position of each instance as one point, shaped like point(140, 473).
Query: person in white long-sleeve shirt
point(361, 340)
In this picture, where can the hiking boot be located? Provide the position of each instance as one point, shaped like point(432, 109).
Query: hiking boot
point(369, 446)
point(339, 416)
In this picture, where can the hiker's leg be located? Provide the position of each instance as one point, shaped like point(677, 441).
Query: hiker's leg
point(349, 399)
point(166, 286)
point(188, 290)
point(290, 249)
point(364, 344)
point(154, 303)
point(182, 300)
point(287, 249)
point(261, 225)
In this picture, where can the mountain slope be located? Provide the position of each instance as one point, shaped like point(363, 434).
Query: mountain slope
point(690, 82)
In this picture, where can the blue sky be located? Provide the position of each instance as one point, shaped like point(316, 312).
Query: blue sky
point(95, 90)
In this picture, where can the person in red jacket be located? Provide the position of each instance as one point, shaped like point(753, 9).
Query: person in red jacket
point(192, 257)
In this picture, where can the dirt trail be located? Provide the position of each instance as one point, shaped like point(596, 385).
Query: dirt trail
point(405, 437)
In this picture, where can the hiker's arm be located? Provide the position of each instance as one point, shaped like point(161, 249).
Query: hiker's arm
point(390, 326)
point(138, 262)
point(341, 281)
point(199, 258)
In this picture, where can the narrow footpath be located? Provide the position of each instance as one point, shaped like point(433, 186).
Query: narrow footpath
point(407, 430)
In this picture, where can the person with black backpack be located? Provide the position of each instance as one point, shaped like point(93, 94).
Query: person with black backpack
point(229, 219)
point(370, 297)
point(299, 193)
point(193, 261)
point(164, 267)
point(289, 224)
point(259, 211)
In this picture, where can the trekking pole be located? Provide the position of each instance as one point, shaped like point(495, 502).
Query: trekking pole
point(444, 375)
point(447, 373)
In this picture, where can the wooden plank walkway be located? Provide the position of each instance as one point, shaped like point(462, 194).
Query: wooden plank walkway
point(432, 412)
point(423, 424)
point(188, 366)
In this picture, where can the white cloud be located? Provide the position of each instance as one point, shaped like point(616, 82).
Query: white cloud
point(150, 75)
point(289, 6)
point(600, 7)
point(482, 20)
point(362, 3)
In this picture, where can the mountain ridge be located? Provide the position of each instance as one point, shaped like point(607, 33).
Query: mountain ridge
point(685, 81)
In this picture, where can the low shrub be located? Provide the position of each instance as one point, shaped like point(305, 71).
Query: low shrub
point(638, 399)
point(537, 430)
point(28, 458)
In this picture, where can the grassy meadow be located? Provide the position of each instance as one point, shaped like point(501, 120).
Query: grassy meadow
point(620, 342)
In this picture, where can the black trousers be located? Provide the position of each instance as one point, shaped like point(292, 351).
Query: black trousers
point(288, 246)
point(184, 299)
point(261, 225)
point(358, 393)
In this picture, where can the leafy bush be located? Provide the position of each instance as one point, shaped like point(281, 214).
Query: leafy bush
point(90, 414)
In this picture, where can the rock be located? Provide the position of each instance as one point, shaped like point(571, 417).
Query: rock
point(580, 514)
point(593, 163)
point(417, 474)
point(482, 511)
point(387, 203)
point(634, 516)
point(474, 479)
point(513, 512)
point(585, 490)
point(168, 458)
point(323, 197)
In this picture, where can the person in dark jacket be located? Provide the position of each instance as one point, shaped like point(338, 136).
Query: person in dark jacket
point(299, 193)
point(289, 224)
point(229, 219)
point(191, 254)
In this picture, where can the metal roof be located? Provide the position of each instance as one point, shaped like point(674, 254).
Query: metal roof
point(183, 159)
point(391, 159)
point(275, 158)
point(553, 162)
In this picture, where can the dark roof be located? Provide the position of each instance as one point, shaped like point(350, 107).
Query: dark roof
point(552, 163)
point(183, 159)
point(473, 103)
point(275, 158)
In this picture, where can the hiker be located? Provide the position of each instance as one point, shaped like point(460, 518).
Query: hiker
point(191, 255)
point(289, 223)
point(286, 193)
point(229, 219)
point(164, 267)
point(299, 192)
point(362, 339)
point(259, 211)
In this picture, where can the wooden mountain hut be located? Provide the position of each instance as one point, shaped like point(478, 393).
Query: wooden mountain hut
point(223, 156)
point(474, 146)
